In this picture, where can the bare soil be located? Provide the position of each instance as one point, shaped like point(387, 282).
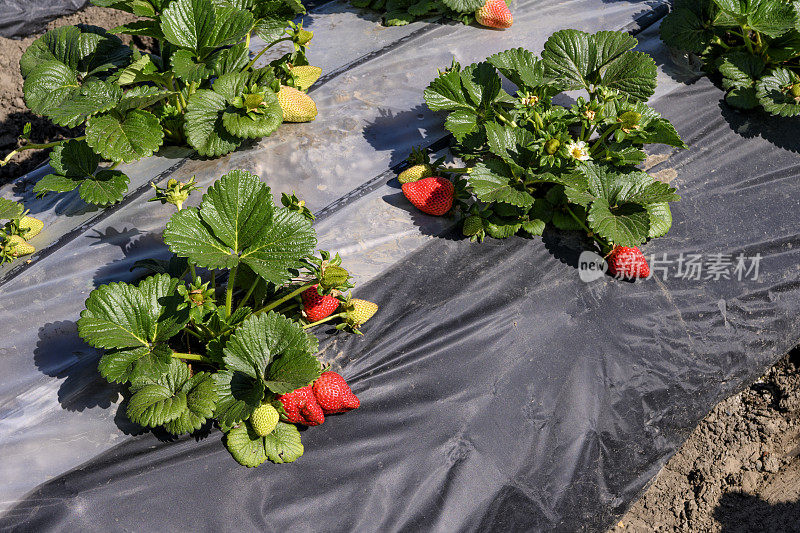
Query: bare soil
point(14, 114)
point(739, 471)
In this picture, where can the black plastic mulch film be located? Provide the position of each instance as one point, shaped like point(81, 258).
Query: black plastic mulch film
point(500, 392)
point(20, 18)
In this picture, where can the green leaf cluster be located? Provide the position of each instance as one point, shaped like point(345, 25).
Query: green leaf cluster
point(402, 12)
point(196, 346)
point(536, 163)
point(753, 46)
point(199, 86)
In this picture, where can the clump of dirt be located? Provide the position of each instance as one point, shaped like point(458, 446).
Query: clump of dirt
point(739, 471)
point(14, 114)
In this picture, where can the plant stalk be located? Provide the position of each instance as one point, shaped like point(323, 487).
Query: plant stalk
point(191, 357)
point(261, 53)
point(229, 292)
point(44, 146)
point(326, 319)
point(278, 302)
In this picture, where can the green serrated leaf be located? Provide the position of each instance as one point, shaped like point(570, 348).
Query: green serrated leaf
point(204, 128)
point(627, 224)
point(283, 445)
point(490, 182)
point(48, 85)
point(154, 405)
point(238, 395)
point(683, 29)
point(520, 66)
point(104, 188)
point(93, 97)
point(138, 134)
point(246, 446)
point(188, 23)
point(188, 68)
point(255, 125)
point(120, 366)
point(445, 93)
point(463, 6)
point(774, 93)
point(139, 97)
point(660, 219)
point(741, 69)
point(9, 209)
point(237, 221)
point(201, 399)
point(461, 123)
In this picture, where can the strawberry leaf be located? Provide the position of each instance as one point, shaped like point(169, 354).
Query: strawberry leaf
point(773, 93)
point(201, 399)
point(238, 396)
point(490, 182)
point(627, 224)
point(683, 28)
point(135, 320)
point(136, 135)
point(93, 97)
point(238, 222)
point(283, 445)
point(446, 94)
point(158, 401)
point(9, 209)
point(660, 219)
point(104, 188)
point(520, 66)
point(204, 129)
point(245, 445)
point(188, 68)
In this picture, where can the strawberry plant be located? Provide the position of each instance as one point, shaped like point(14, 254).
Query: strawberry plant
point(532, 162)
point(197, 347)
point(199, 88)
point(753, 45)
point(490, 13)
point(19, 227)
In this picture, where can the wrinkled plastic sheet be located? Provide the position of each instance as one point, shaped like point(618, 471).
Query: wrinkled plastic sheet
point(499, 393)
point(20, 18)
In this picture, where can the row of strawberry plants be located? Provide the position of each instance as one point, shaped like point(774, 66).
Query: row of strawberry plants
point(752, 45)
point(197, 347)
point(489, 13)
point(532, 162)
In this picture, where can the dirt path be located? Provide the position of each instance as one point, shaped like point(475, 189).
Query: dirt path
point(14, 113)
point(739, 471)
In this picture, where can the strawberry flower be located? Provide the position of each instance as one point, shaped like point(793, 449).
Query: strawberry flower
point(578, 150)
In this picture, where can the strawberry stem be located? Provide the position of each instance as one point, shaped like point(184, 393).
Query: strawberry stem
point(53, 144)
point(326, 319)
point(279, 301)
point(229, 292)
point(248, 293)
point(253, 62)
point(463, 170)
point(603, 245)
point(191, 357)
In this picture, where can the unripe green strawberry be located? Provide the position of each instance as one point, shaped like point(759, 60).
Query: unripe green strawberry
point(20, 246)
point(264, 419)
point(551, 146)
point(305, 76)
point(31, 226)
point(794, 90)
point(297, 106)
point(361, 311)
point(415, 173)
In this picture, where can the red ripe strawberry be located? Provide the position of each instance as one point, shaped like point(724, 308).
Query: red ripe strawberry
point(334, 394)
point(316, 305)
point(627, 262)
point(302, 408)
point(430, 195)
point(494, 14)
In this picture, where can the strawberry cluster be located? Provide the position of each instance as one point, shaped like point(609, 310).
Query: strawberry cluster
point(330, 394)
